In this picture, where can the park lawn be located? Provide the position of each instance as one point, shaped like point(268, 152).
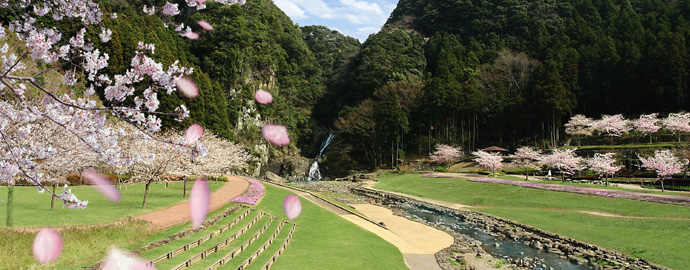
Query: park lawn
point(79, 245)
point(610, 186)
point(32, 209)
point(324, 240)
point(662, 241)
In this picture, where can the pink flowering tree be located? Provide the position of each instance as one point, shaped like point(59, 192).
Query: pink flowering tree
point(579, 125)
point(677, 123)
point(526, 157)
point(565, 161)
point(612, 125)
point(492, 161)
point(647, 124)
point(132, 96)
point(664, 163)
point(446, 154)
point(603, 164)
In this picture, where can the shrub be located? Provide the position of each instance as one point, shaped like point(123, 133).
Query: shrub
point(441, 169)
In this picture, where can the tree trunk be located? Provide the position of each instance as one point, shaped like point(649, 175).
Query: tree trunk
point(10, 205)
point(146, 194)
point(52, 198)
point(184, 187)
point(662, 186)
point(526, 173)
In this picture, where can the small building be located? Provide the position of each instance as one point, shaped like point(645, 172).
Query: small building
point(495, 149)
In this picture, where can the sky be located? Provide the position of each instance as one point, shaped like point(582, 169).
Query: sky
point(355, 18)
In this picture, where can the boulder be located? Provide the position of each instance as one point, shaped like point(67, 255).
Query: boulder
point(270, 176)
point(295, 168)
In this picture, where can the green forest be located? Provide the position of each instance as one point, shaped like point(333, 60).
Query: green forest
point(470, 73)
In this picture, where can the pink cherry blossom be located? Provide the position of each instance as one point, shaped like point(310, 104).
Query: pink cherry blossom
point(199, 201)
point(102, 184)
point(579, 125)
point(205, 25)
point(187, 87)
point(564, 160)
point(47, 246)
point(664, 163)
point(603, 164)
point(488, 160)
point(647, 123)
point(292, 206)
point(121, 260)
point(194, 132)
point(263, 97)
point(446, 153)
point(191, 35)
point(276, 134)
point(612, 125)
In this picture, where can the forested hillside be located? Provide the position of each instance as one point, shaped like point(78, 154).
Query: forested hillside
point(476, 72)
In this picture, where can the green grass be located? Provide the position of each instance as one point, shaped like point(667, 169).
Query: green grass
point(81, 248)
point(610, 186)
point(32, 209)
point(325, 241)
point(663, 241)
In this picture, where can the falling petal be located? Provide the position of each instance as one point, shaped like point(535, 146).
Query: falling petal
point(276, 134)
point(187, 87)
point(47, 246)
point(263, 97)
point(191, 35)
point(193, 133)
point(121, 260)
point(102, 185)
point(199, 201)
point(292, 206)
point(205, 25)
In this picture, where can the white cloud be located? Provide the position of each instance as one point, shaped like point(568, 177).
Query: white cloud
point(291, 9)
point(362, 6)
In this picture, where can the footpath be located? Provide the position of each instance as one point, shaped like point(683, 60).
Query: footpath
point(179, 213)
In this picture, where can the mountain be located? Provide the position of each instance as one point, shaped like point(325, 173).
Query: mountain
point(509, 72)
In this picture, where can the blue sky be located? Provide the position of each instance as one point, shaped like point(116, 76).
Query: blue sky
point(355, 18)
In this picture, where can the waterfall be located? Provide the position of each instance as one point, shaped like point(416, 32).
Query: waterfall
point(314, 173)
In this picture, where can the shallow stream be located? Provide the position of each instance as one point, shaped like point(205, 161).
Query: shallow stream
point(499, 247)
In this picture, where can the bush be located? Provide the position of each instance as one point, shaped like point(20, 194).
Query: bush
point(441, 169)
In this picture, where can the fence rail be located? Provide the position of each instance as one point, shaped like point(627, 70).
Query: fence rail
point(280, 251)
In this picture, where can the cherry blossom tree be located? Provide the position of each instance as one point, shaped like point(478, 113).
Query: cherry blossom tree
point(565, 161)
point(677, 123)
point(492, 161)
point(446, 154)
point(647, 124)
point(664, 163)
point(579, 125)
point(526, 157)
point(603, 164)
point(612, 125)
point(78, 114)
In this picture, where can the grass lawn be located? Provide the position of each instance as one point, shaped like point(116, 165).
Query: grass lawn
point(32, 209)
point(325, 241)
point(610, 186)
point(662, 241)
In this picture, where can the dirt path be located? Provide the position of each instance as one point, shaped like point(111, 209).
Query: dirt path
point(417, 242)
point(179, 213)
point(603, 214)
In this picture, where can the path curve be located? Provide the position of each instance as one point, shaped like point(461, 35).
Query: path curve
point(417, 242)
point(179, 213)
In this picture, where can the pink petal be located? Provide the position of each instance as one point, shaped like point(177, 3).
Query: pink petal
point(292, 206)
point(193, 133)
point(187, 87)
point(205, 25)
point(47, 246)
point(276, 134)
point(199, 201)
point(191, 35)
point(263, 97)
point(102, 185)
point(121, 260)
point(201, 1)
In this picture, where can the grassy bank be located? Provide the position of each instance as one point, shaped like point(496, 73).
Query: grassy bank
point(32, 209)
point(660, 240)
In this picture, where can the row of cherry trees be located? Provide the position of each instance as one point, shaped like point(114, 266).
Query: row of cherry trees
point(617, 125)
point(664, 163)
